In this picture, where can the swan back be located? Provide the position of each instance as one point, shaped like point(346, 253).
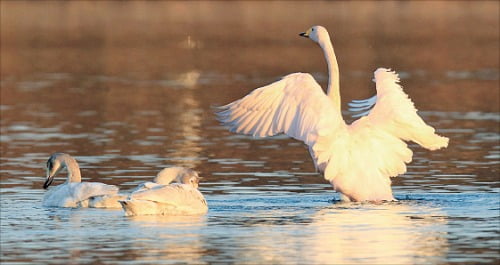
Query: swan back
point(173, 199)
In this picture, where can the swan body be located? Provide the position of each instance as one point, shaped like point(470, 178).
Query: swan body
point(357, 159)
point(162, 198)
point(73, 193)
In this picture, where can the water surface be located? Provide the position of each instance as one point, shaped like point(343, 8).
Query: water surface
point(127, 88)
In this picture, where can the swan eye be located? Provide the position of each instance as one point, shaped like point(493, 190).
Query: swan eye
point(312, 29)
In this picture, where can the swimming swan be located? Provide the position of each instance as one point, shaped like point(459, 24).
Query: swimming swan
point(357, 159)
point(74, 193)
point(162, 198)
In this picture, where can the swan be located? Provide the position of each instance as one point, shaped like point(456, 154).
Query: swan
point(358, 159)
point(162, 198)
point(74, 193)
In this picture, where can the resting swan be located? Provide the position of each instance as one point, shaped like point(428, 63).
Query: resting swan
point(357, 159)
point(74, 193)
point(162, 198)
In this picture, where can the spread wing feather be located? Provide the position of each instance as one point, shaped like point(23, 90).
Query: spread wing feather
point(295, 105)
point(395, 113)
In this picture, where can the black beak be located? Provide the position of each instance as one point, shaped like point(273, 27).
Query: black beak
point(48, 182)
point(303, 34)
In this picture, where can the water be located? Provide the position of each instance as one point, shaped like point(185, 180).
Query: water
point(127, 88)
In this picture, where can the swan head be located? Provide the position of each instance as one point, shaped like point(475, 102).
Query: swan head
point(58, 161)
point(179, 174)
point(55, 163)
point(317, 34)
point(191, 179)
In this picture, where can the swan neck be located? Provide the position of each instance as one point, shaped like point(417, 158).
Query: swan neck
point(73, 170)
point(333, 90)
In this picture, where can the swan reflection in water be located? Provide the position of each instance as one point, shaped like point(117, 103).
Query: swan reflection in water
point(389, 233)
point(180, 236)
point(354, 233)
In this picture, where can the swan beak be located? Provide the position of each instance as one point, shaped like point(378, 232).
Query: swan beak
point(48, 181)
point(304, 34)
point(51, 173)
point(53, 167)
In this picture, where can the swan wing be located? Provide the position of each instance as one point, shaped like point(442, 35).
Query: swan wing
point(77, 194)
point(373, 148)
point(295, 105)
point(146, 186)
point(395, 113)
point(360, 160)
point(175, 194)
point(84, 190)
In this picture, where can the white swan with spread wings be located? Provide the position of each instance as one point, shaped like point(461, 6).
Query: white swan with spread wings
point(357, 159)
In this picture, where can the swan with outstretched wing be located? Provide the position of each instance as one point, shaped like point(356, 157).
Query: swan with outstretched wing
point(357, 159)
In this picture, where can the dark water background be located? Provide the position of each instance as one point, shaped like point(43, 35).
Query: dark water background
point(127, 88)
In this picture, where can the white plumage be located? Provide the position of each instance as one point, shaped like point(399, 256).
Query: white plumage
point(166, 176)
point(74, 193)
point(162, 198)
point(357, 159)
